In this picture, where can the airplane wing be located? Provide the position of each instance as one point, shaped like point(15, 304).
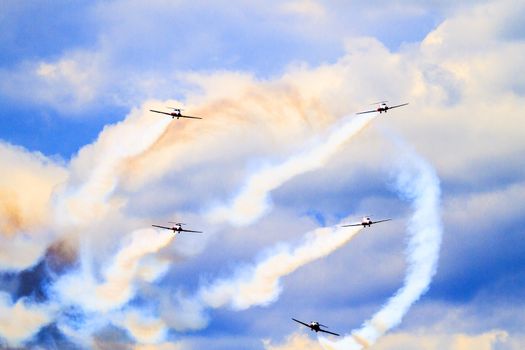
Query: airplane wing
point(152, 110)
point(404, 104)
point(167, 228)
point(375, 222)
point(188, 116)
point(352, 225)
point(322, 330)
point(372, 111)
point(183, 230)
point(306, 324)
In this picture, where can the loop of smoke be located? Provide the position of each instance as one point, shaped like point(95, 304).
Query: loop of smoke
point(85, 198)
point(418, 182)
point(117, 287)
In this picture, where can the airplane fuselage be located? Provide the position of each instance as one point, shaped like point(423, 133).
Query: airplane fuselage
point(176, 229)
point(366, 222)
point(314, 326)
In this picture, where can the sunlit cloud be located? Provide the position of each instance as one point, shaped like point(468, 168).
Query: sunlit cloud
point(22, 319)
point(85, 222)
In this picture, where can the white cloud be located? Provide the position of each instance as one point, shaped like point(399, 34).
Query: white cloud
point(75, 80)
point(27, 182)
point(26, 188)
point(143, 329)
point(137, 54)
point(21, 252)
point(21, 320)
point(310, 9)
point(119, 277)
point(490, 340)
point(463, 97)
point(294, 342)
point(162, 346)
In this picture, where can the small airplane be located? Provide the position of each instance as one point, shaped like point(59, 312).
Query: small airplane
point(175, 114)
point(366, 222)
point(383, 107)
point(176, 228)
point(315, 326)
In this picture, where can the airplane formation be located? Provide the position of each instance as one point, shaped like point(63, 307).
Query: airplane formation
point(365, 221)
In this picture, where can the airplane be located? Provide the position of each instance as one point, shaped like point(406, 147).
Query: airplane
point(175, 114)
point(366, 222)
point(176, 228)
point(383, 107)
point(315, 326)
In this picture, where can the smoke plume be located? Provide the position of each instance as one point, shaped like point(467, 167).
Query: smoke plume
point(117, 286)
point(96, 171)
point(22, 319)
point(416, 181)
point(259, 284)
point(252, 201)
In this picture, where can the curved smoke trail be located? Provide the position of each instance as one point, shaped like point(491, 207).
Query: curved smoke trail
point(418, 182)
point(97, 169)
point(119, 277)
point(252, 201)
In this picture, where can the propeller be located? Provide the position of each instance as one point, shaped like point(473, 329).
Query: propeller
point(378, 102)
point(177, 223)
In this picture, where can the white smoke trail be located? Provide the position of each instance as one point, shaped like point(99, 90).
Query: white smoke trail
point(74, 197)
point(117, 287)
point(418, 182)
point(142, 327)
point(259, 284)
point(88, 197)
point(252, 201)
point(95, 172)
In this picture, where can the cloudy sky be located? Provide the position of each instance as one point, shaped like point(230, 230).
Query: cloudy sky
point(278, 163)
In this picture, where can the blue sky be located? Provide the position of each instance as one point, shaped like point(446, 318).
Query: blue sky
point(165, 39)
point(88, 169)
